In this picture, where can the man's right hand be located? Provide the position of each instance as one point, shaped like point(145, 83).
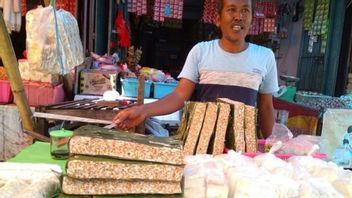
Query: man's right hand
point(130, 117)
point(133, 116)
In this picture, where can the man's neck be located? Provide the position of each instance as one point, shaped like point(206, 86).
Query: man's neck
point(233, 47)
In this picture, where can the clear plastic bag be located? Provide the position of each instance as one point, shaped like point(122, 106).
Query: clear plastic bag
point(208, 174)
point(42, 53)
point(280, 133)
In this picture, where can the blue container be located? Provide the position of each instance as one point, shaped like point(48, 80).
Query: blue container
point(130, 87)
point(162, 89)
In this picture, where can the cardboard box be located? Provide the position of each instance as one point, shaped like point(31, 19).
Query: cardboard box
point(96, 82)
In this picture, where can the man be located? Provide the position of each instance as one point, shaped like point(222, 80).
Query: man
point(225, 68)
point(347, 139)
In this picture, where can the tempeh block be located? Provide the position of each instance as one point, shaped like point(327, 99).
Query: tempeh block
point(194, 127)
point(238, 138)
point(73, 186)
point(97, 141)
point(182, 130)
point(250, 129)
point(207, 131)
point(221, 127)
point(85, 167)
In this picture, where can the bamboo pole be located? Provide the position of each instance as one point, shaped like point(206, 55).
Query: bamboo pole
point(8, 57)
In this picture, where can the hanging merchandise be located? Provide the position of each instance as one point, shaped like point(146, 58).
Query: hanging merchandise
point(159, 9)
point(172, 9)
point(209, 13)
point(324, 26)
point(41, 41)
point(12, 14)
point(137, 6)
point(122, 30)
point(308, 14)
point(256, 26)
point(269, 25)
point(264, 18)
point(317, 23)
point(176, 9)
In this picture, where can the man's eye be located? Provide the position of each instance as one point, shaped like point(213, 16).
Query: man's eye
point(245, 11)
point(231, 9)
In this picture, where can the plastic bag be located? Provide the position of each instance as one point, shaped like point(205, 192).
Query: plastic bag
point(205, 171)
point(280, 133)
point(153, 126)
point(41, 41)
point(300, 145)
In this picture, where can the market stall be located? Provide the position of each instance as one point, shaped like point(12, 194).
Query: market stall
point(215, 148)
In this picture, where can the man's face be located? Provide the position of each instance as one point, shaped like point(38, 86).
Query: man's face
point(235, 19)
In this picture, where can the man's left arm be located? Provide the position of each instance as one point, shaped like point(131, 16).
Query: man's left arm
point(266, 114)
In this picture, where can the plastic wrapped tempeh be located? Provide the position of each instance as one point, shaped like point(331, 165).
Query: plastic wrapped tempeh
point(85, 167)
point(250, 129)
point(236, 136)
point(73, 186)
point(182, 130)
point(96, 141)
point(207, 131)
point(194, 127)
point(221, 127)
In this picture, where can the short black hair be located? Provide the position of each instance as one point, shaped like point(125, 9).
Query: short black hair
point(349, 130)
point(220, 5)
point(345, 141)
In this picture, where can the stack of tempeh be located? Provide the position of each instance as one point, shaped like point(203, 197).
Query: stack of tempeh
point(206, 127)
point(108, 162)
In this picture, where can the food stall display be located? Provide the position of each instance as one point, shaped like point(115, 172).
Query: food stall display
point(105, 162)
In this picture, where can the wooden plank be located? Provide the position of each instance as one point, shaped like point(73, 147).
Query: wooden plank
point(94, 114)
point(140, 100)
point(70, 118)
point(37, 136)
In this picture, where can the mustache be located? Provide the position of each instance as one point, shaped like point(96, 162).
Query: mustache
point(238, 24)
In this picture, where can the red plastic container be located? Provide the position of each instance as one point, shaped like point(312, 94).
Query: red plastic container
point(6, 96)
point(39, 93)
point(261, 149)
point(321, 156)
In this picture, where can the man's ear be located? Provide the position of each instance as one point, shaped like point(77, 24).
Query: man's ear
point(217, 20)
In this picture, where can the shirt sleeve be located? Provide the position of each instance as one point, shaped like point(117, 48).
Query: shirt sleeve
point(190, 69)
point(270, 82)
